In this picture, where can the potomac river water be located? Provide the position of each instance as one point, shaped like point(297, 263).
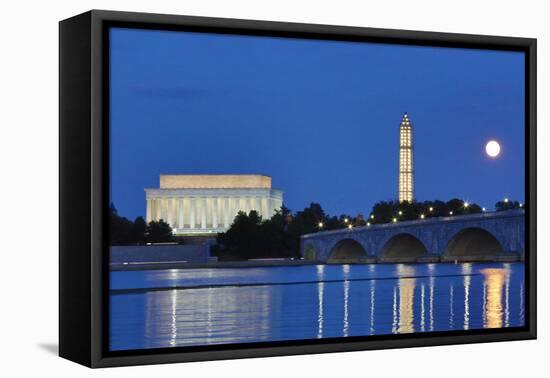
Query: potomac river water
point(186, 307)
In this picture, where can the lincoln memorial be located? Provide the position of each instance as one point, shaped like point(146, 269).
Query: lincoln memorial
point(202, 204)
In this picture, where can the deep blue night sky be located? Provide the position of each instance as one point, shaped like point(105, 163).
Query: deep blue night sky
point(320, 117)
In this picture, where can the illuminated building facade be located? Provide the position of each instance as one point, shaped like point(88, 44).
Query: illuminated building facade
point(406, 163)
point(203, 204)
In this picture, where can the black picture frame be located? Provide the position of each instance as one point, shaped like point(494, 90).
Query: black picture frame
point(84, 195)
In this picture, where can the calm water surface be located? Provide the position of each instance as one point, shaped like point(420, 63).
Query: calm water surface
point(184, 307)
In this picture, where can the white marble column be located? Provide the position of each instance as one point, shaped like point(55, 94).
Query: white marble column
point(236, 207)
point(226, 215)
point(220, 201)
point(163, 209)
point(252, 203)
point(214, 212)
point(273, 206)
point(268, 208)
point(243, 204)
point(186, 212)
point(209, 212)
point(148, 210)
point(167, 210)
point(174, 212)
point(171, 212)
point(181, 222)
point(258, 206)
point(232, 210)
point(192, 212)
point(249, 204)
point(265, 212)
point(203, 212)
point(157, 209)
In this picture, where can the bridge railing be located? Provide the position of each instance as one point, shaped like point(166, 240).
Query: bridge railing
point(425, 221)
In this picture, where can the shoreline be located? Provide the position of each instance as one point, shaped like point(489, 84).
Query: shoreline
point(113, 267)
point(121, 267)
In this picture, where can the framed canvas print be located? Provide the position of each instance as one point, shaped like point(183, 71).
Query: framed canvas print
point(233, 188)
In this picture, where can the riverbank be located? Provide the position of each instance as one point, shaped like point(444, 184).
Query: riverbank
point(213, 264)
point(129, 266)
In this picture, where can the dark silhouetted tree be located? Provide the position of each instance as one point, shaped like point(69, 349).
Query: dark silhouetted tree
point(306, 221)
point(385, 212)
point(139, 229)
point(158, 232)
point(507, 205)
point(276, 241)
point(243, 238)
point(120, 228)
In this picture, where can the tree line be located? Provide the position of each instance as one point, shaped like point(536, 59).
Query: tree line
point(250, 236)
point(123, 231)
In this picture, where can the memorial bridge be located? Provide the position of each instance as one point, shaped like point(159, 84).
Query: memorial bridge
point(496, 236)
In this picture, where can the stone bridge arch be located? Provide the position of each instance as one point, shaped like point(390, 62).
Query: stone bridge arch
point(321, 249)
point(347, 250)
point(471, 243)
point(402, 246)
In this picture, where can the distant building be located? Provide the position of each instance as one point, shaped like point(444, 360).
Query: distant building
point(203, 204)
point(406, 163)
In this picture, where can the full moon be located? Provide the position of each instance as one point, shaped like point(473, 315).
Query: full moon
point(492, 148)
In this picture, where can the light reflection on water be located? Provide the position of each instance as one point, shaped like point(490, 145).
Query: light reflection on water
point(406, 298)
point(467, 270)
point(494, 280)
point(306, 302)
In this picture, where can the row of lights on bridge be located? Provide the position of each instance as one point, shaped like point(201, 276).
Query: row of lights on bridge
point(422, 216)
